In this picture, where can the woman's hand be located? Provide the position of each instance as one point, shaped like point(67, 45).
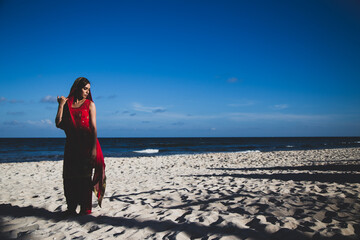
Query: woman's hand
point(62, 100)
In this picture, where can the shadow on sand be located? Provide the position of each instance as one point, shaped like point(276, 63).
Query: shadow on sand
point(337, 167)
point(342, 178)
point(194, 230)
point(118, 197)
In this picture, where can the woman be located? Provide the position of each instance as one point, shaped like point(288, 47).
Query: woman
point(77, 117)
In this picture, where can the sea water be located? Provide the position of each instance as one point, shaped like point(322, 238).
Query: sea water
point(52, 149)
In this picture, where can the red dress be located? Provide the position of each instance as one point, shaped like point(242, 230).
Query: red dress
point(77, 161)
point(77, 170)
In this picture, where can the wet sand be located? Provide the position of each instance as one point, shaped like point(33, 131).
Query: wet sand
point(312, 194)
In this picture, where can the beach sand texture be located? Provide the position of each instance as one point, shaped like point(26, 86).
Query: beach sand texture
point(313, 194)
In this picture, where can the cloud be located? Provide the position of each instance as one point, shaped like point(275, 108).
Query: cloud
point(46, 121)
point(159, 110)
point(15, 113)
point(274, 116)
point(128, 113)
point(12, 123)
point(16, 101)
point(171, 115)
point(41, 123)
point(112, 96)
point(280, 106)
point(36, 123)
point(4, 100)
point(49, 99)
point(168, 117)
point(178, 119)
point(232, 80)
point(139, 107)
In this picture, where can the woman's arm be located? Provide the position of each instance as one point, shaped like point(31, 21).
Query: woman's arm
point(92, 109)
point(61, 100)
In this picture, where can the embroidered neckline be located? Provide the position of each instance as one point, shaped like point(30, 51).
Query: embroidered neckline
point(79, 106)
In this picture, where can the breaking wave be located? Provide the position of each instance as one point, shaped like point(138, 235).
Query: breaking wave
point(148, 151)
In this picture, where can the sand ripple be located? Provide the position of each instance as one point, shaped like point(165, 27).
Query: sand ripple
point(274, 195)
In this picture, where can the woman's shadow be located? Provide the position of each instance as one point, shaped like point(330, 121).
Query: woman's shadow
point(195, 230)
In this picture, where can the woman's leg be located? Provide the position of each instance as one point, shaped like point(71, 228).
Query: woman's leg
point(86, 196)
point(70, 190)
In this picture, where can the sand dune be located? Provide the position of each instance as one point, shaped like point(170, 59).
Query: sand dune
point(311, 194)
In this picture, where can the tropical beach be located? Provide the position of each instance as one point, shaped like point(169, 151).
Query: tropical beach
point(305, 194)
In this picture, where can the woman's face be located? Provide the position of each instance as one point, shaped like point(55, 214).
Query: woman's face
point(85, 91)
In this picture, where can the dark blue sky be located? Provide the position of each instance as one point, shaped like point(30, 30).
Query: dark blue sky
point(184, 68)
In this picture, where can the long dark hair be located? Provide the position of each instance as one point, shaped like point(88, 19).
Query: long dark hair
point(79, 83)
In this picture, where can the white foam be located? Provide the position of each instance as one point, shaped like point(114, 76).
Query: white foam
point(289, 146)
point(249, 151)
point(148, 151)
point(357, 142)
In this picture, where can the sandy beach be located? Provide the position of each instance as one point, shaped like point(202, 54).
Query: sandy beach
point(313, 194)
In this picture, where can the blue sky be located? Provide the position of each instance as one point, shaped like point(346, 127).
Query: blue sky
point(184, 68)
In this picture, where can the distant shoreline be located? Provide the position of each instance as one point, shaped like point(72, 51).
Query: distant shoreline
point(52, 149)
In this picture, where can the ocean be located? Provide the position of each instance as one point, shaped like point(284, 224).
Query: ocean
point(52, 149)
